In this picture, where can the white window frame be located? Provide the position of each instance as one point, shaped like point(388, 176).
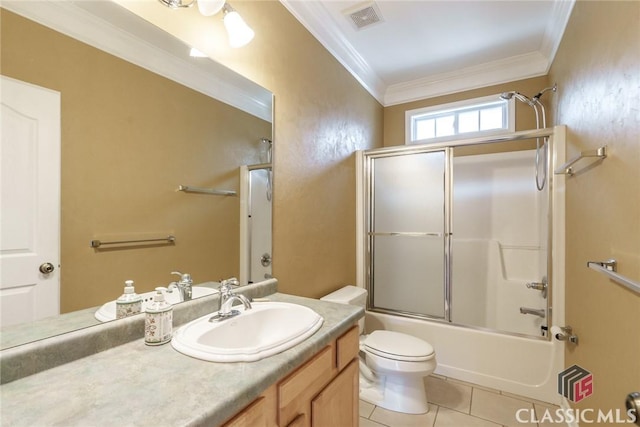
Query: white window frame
point(452, 106)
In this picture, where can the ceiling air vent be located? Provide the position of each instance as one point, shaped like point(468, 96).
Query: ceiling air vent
point(364, 15)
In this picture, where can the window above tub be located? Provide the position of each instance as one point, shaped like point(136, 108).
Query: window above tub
point(489, 115)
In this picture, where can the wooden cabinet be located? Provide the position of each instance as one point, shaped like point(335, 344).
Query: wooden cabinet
point(337, 403)
point(322, 392)
point(262, 412)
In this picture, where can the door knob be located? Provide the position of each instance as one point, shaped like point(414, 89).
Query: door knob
point(46, 268)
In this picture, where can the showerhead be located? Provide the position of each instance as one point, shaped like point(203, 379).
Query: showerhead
point(520, 97)
point(507, 95)
point(266, 150)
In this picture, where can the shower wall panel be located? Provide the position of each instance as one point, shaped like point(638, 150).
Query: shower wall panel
point(498, 235)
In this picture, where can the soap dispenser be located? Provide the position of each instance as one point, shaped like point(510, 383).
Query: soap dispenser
point(129, 303)
point(158, 325)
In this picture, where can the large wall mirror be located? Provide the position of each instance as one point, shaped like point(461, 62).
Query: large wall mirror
point(139, 119)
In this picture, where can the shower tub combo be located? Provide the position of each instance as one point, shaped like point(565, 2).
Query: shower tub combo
point(460, 247)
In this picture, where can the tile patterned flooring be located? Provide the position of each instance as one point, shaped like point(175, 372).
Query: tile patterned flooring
point(457, 404)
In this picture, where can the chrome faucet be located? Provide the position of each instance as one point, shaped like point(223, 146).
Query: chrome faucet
point(184, 286)
point(536, 312)
point(227, 298)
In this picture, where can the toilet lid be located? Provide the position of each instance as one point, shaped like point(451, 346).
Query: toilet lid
point(398, 346)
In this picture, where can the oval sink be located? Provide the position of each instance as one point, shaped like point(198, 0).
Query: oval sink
point(108, 310)
point(266, 329)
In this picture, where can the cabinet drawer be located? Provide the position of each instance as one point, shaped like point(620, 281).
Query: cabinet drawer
point(347, 347)
point(297, 390)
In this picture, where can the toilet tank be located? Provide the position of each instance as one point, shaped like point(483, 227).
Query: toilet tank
point(351, 295)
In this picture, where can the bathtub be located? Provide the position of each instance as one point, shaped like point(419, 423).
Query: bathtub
point(524, 366)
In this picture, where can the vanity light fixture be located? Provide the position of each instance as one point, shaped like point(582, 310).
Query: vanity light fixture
point(238, 31)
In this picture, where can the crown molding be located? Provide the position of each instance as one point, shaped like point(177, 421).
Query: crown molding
point(502, 71)
point(317, 20)
point(113, 29)
point(556, 26)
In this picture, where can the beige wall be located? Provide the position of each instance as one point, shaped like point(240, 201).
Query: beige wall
point(598, 72)
point(129, 138)
point(322, 115)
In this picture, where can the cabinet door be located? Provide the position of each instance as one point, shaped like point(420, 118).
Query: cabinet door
point(260, 413)
point(297, 390)
point(337, 403)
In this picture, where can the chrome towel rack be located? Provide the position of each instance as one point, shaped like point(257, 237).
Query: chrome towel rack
point(609, 268)
point(97, 243)
point(567, 169)
point(188, 189)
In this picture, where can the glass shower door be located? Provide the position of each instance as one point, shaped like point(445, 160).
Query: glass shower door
point(408, 233)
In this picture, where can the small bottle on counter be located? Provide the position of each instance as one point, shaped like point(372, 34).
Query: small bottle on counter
point(158, 325)
point(129, 303)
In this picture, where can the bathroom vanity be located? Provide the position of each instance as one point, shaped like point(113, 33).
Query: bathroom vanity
point(322, 392)
point(313, 383)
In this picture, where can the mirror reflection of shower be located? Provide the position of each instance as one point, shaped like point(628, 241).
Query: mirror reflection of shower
point(266, 156)
point(540, 113)
point(255, 216)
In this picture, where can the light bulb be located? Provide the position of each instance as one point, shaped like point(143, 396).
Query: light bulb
point(210, 7)
point(239, 32)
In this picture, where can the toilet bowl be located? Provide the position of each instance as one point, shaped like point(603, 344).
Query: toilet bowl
point(392, 364)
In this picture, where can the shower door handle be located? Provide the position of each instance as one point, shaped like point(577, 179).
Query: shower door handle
point(406, 234)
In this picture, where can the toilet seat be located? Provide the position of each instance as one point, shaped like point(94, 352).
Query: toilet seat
point(398, 346)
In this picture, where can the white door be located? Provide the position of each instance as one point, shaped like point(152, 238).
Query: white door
point(30, 202)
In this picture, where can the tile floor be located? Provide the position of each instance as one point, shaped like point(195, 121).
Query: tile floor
point(457, 404)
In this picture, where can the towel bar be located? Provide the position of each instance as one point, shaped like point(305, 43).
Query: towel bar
point(97, 243)
point(188, 189)
point(609, 268)
point(567, 169)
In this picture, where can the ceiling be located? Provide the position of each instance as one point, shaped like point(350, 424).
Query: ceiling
point(421, 49)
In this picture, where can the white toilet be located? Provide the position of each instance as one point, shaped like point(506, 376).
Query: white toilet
point(395, 364)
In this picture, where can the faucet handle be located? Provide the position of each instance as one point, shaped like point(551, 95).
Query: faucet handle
point(230, 282)
point(184, 277)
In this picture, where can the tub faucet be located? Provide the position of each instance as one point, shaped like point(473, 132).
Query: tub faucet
point(227, 298)
point(184, 286)
point(536, 312)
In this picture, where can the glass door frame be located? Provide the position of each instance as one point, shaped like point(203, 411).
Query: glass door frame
point(369, 158)
point(364, 259)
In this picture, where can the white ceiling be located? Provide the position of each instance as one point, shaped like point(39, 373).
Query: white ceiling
point(422, 49)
